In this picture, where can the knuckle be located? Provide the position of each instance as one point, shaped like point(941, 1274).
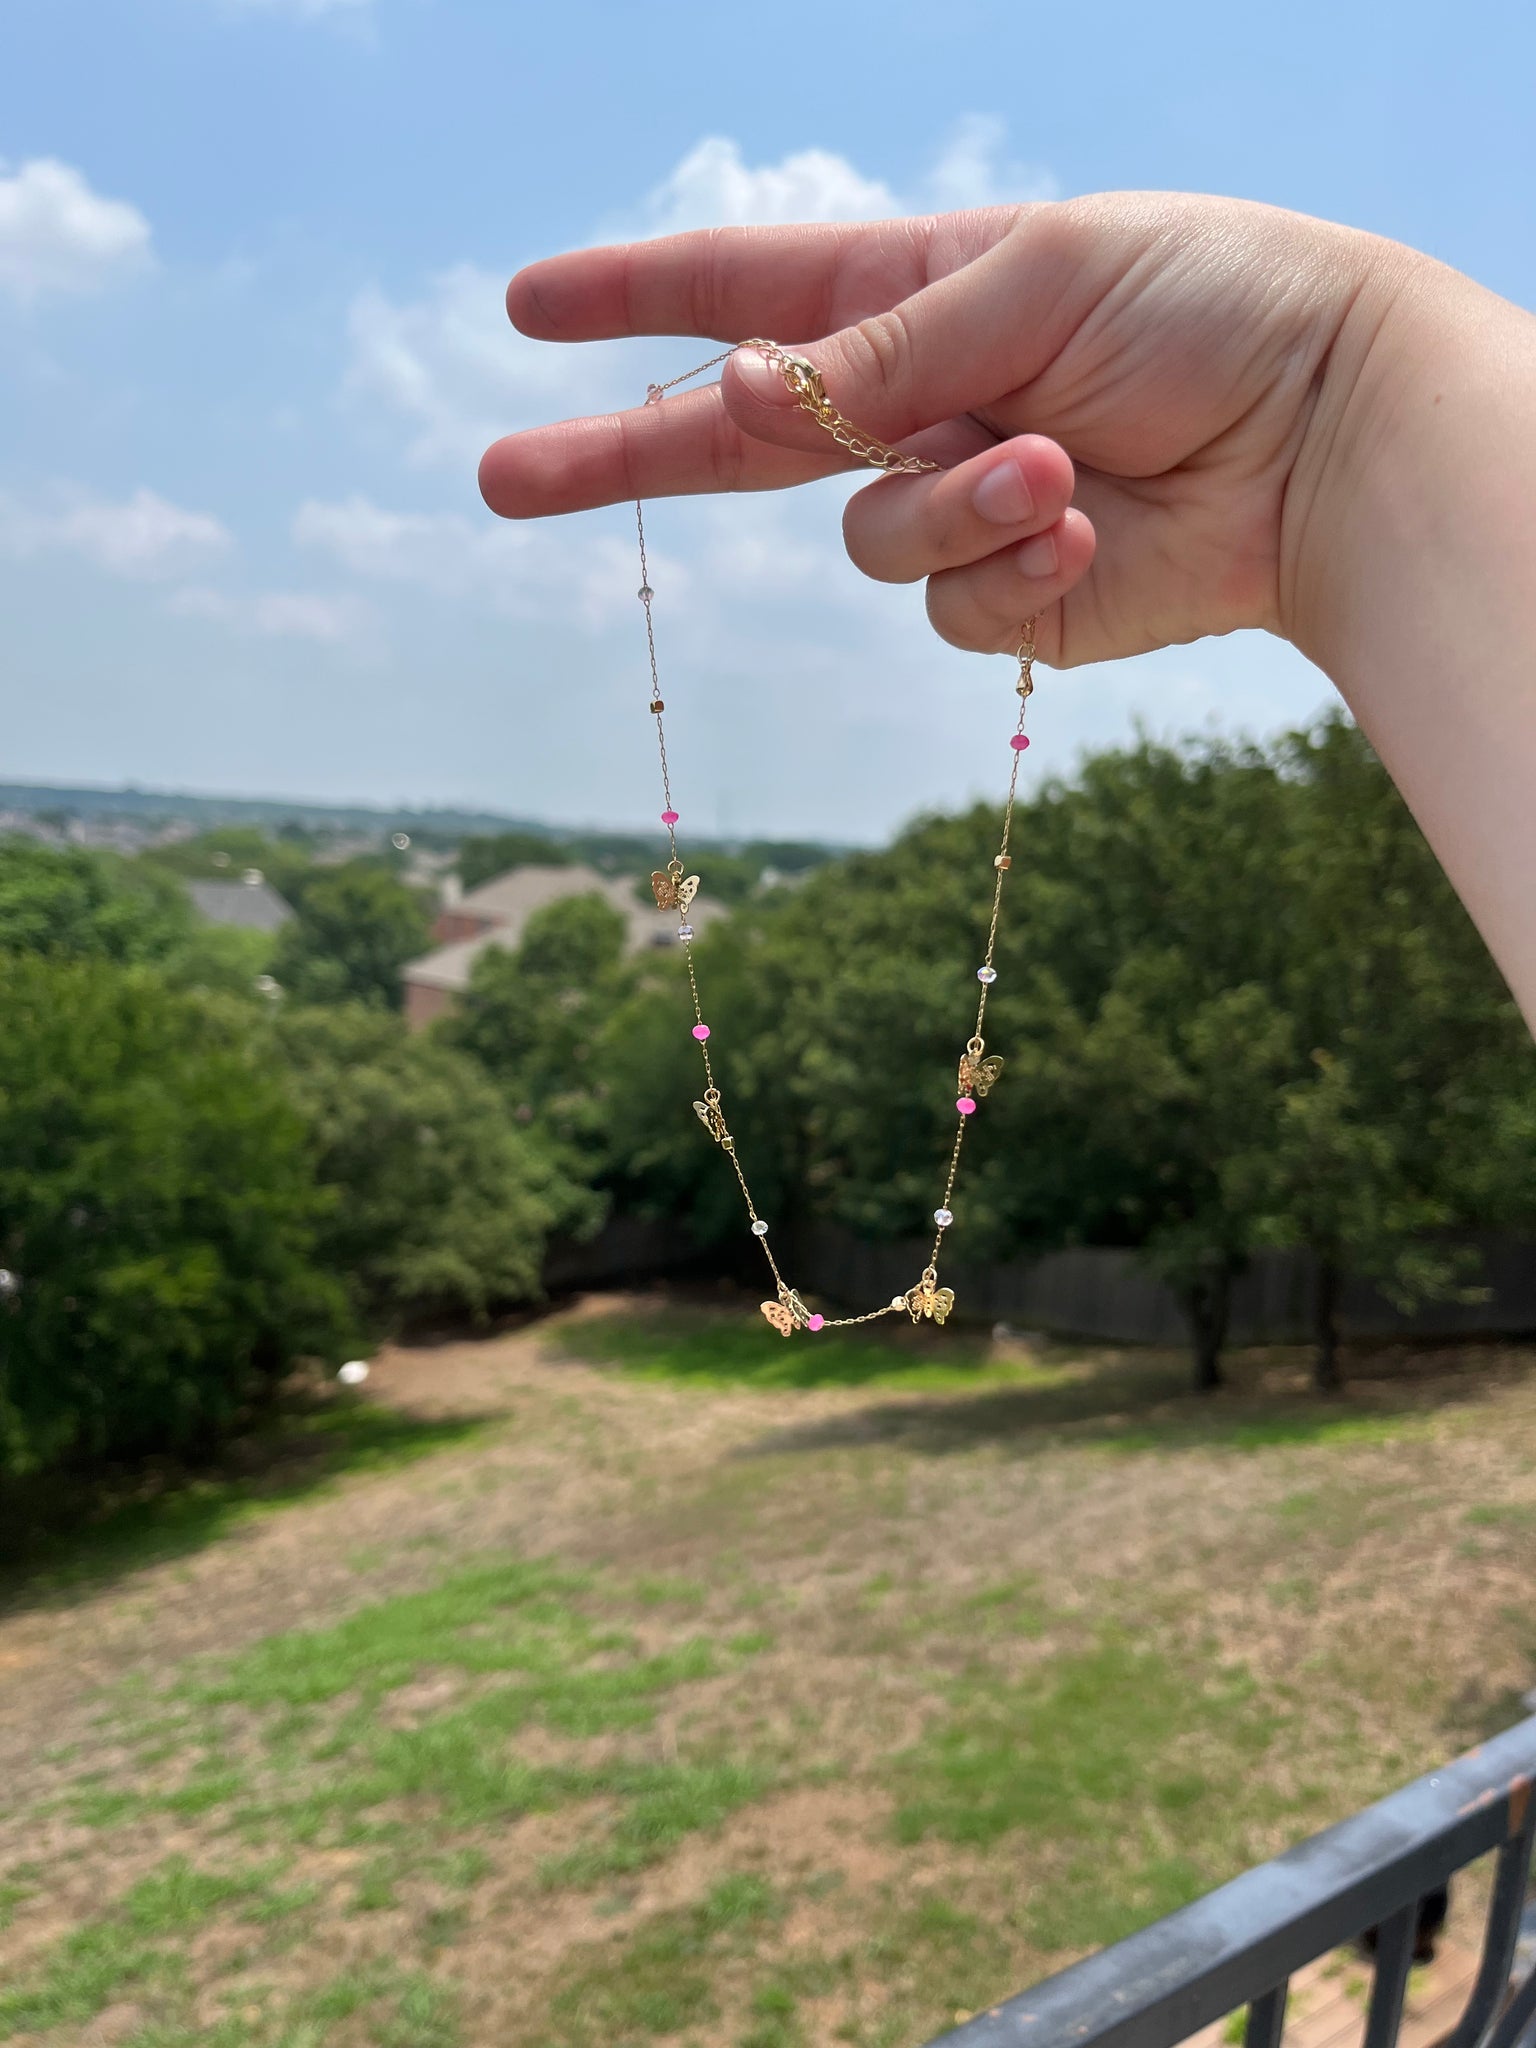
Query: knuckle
point(881, 345)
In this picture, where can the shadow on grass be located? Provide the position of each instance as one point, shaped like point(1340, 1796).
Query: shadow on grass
point(59, 1535)
point(1142, 1403)
point(1029, 1398)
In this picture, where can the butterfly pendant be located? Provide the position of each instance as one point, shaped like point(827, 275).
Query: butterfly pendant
point(788, 1314)
point(673, 892)
point(712, 1118)
point(977, 1075)
point(929, 1299)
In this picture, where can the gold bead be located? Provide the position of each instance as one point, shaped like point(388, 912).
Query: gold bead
point(1003, 861)
point(657, 706)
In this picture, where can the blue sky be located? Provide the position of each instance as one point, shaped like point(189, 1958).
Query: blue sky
point(251, 341)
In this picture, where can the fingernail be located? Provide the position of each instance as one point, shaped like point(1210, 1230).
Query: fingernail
point(1002, 495)
point(1037, 557)
point(760, 379)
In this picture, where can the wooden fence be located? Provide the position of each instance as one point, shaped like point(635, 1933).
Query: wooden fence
point(1089, 1292)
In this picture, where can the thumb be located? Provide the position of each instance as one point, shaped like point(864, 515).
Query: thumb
point(954, 346)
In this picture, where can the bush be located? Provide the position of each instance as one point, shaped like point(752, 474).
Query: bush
point(441, 1203)
point(158, 1210)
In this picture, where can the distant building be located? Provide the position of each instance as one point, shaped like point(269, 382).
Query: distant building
point(253, 904)
point(497, 912)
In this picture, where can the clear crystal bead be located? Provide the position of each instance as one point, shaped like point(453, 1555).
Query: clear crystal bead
point(986, 976)
point(685, 931)
point(645, 593)
point(898, 1301)
point(759, 1227)
point(943, 1218)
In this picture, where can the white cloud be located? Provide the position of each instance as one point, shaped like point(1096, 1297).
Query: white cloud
point(449, 365)
point(143, 536)
point(57, 235)
point(519, 571)
point(439, 551)
point(714, 187)
point(276, 614)
point(971, 170)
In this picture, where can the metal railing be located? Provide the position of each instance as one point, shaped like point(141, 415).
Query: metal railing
point(1239, 1946)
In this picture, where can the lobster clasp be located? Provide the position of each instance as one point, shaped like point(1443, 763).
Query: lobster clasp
point(804, 380)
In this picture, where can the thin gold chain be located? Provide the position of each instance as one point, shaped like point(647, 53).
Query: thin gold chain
point(976, 1074)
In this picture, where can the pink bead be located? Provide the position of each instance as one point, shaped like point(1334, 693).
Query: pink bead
point(669, 817)
point(701, 1032)
point(814, 1322)
point(1019, 742)
point(965, 1105)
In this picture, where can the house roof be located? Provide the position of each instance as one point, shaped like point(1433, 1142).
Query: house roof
point(450, 966)
point(256, 905)
point(513, 897)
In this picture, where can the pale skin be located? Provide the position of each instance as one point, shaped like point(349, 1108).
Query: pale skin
point(1160, 417)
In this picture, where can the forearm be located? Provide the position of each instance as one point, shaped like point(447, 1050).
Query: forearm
point(1414, 586)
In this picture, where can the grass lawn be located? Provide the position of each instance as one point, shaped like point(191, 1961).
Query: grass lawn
point(640, 1676)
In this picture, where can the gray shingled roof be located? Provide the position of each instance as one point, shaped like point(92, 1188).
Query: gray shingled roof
point(256, 905)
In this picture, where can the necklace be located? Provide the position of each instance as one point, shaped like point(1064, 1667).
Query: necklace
point(978, 1070)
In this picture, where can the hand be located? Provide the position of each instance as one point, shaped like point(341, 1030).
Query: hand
point(1172, 375)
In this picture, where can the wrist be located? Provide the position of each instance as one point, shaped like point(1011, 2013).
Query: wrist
point(1412, 412)
point(1408, 539)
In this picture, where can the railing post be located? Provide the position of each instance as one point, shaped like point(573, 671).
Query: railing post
point(1266, 2018)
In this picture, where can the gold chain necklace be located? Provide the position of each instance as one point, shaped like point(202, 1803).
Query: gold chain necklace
point(675, 890)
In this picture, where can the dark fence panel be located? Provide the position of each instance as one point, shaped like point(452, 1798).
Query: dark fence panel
point(1110, 1295)
point(1089, 1292)
point(626, 1251)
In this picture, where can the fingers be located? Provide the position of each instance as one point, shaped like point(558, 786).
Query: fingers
point(980, 606)
point(732, 282)
point(904, 528)
point(956, 346)
point(686, 443)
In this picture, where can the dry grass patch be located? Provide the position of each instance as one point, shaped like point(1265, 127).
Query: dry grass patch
point(708, 1693)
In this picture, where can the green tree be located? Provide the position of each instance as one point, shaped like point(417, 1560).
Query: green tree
point(1190, 936)
point(157, 1209)
point(531, 1016)
point(441, 1204)
point(72, 904)
point(1412, 1050)
point(354, 929)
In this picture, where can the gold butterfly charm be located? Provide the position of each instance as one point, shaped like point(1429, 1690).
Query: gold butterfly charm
point(927, 1298)
point(711, 1116)
point(788, 1314)
point(673, 892)
point(978, 1075)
